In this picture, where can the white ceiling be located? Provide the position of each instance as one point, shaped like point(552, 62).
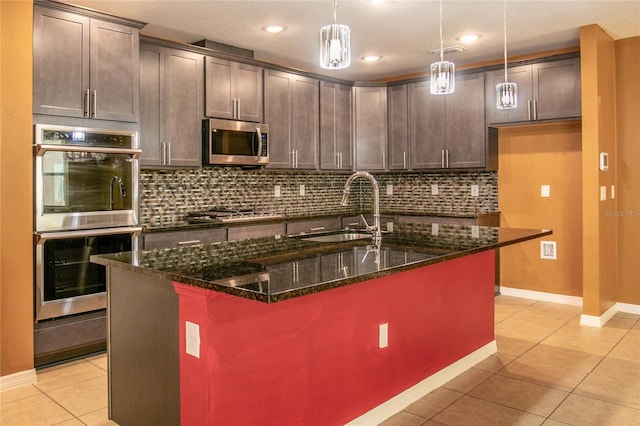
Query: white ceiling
point(402, 31)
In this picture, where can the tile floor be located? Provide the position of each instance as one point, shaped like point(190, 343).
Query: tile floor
point(548, 370)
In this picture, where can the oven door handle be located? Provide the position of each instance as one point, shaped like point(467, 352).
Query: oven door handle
point(40, 238)
point(40, 149)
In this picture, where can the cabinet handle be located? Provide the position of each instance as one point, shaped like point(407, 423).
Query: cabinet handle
point(535, 109)
point(238, 108)
point(529, 108)
point(442, 158)
point(384, 161)
point(316, 229)
point(94, 105)
point(168, 153)
point(163, 153)
point(86, 103)
point(295, 158)
point(447, 155)
point(184, 243)
point(404, 159)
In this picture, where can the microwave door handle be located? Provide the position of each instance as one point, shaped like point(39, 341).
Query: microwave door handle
point(259, 153)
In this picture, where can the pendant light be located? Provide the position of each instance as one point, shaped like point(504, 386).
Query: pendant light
point(442, 72)
point(335, 47)
point(506, 93)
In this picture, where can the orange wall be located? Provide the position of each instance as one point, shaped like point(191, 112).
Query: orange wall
point(531, 156)
point(628, 127)
point(598, 135)
point(16, 264)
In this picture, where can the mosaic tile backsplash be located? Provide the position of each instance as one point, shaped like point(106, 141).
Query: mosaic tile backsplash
point(167, 196)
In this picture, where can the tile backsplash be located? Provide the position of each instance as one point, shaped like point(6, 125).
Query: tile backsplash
point(167, 196)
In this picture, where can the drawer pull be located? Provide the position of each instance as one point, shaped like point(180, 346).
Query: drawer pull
point(319, 228)
point(184, 243)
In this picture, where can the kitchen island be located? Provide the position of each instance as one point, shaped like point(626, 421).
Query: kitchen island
point(298, 330)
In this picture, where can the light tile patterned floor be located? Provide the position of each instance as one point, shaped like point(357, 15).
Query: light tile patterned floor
point(549, 370)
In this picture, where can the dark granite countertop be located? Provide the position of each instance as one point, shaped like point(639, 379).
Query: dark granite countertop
point(184, 226)
point(275, 269)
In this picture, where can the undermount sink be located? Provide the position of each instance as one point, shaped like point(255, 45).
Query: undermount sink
point(336, 238)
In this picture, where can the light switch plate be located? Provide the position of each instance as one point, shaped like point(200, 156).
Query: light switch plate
point(548, 250)
point(383, 335)
point(545, 191)
point(389, 189)
point(302, 190)
point(192, 339)
point(613, 192)
point(435, 228)
point(434, 189)
point(475, 190)
point(475, 231)
point(603, 193)
point(276, 191)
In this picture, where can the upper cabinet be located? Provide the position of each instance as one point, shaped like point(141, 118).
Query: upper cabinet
point(398, 122)
point(171, 104)
point(292, 111)
point(84, 67)
point(547, 90)
point(336, 142)
point(370, 116)
point(233, 90)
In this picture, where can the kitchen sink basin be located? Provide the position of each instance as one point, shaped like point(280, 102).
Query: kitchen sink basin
point(338, 237)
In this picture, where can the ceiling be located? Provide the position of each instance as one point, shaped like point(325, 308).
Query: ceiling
point(403, 32)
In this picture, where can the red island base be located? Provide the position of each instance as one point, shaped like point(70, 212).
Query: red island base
point(317, 360)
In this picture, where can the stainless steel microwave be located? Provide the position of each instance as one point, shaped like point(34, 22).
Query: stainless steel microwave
point(229, 142)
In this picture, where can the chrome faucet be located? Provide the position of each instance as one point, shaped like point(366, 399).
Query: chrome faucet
point(375, 229)
point(123, 193)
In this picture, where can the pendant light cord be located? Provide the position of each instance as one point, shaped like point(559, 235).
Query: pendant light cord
point(505, 38)
point(335, 6)
point(441, 40)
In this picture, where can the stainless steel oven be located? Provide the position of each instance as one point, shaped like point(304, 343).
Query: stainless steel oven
point(67, 283)
point(85, 178)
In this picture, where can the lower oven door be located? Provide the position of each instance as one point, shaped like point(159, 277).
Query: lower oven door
point(66, 281)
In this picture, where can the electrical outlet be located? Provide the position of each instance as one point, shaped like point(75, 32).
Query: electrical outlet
point(434, 229)
point(545, 191)
point(389, 189)
point(302, 190)
point(383, 335)
point(475, 190)
point(603, 193)
point(475, 231)
point(276, 191)
point(434, 189)
point(193, 339)
point(389, 226)
point(548, 250)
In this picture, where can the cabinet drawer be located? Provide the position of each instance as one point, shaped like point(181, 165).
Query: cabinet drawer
point(180, 238)
point(356, 221)
point(314, 225)
point(255, 231)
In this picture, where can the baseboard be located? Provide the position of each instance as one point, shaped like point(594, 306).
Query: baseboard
point(599, 321)
point(15, 380)
point(628, 308)
point(541, 296)
point(414, 393)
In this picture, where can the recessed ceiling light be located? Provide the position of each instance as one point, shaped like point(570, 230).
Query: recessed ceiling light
point(371, 58)
point(469, 38)
point(275, 28)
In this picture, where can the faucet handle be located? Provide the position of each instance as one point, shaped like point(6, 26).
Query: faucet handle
point(366, 225)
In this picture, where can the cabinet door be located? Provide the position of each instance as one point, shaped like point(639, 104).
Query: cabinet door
point(248, 91)
point(305, 121)
point(557, 89)
point(151, 105)
point(522, 76)
point(427, 126)
point(466, 130)
point(114, 71)
point(60, 62)
point(184, 97)
point(277, 113)
point(370, 127)
point(398, 99)
point(219, 93)
point(335, 126)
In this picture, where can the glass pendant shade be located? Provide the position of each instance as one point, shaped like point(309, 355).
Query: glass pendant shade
point(443, 77)
point(506, 95)
point(335, 47)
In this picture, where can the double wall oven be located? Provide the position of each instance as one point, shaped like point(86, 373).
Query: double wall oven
point(86, 202)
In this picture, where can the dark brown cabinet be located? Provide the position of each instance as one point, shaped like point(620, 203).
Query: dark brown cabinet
point(336, 142)
point(153, 240)
point(84, 67)
point(370, 122)
point(171, 104)
point(546, 90)
point(398, 117)
point(448, 131)
point(292, 110)
point(233, 90)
